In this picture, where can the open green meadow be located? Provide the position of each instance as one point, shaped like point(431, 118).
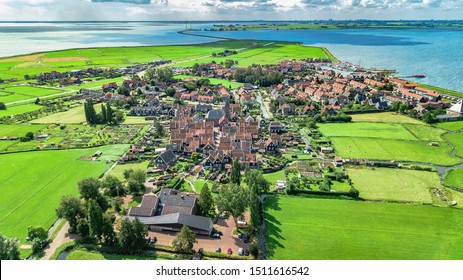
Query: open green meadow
point(457, 141)
point(11, 111)
point(393, 139)
point(136, 120)
point(307, 228)
point(19, 130)
point(274, 177)
point(391, 149)
point(118, 171)
point(82, 254)
point(454, 179)
point(384, 117)
point(18, 93)
point(32, 184)
point(73, 115)
point(394, 184)
point(451, 126)
point(249, 52)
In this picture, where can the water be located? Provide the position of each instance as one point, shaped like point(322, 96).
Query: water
point(24, 38)
point(437, 53)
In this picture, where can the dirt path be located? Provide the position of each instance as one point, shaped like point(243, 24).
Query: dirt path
point(62, 237)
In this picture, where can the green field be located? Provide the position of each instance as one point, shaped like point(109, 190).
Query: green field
point(19, 130)
point(136, 120)
point(11, 111)
point(385, 117)
point(18, 93)
point(454, 179)
point(305, 228)
point(82, 254)
point(451, 126)
point(392, 140)
point(74, 115)
point(118, 171)
point(274, 177)
point(457, 141)
point(33, 183)
point(387, 149)
point(394, 184)
point(249, 52)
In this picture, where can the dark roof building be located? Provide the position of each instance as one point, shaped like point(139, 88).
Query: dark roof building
point(170, 211)
point(167, 158)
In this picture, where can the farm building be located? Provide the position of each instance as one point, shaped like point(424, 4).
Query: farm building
point(170, 211)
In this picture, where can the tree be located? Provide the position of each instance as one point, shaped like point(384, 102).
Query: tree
point(37, 101)
point(104, 118)
point(71, 209)
point(233, 199)
point(135, 187)
point(402, 108)
point(184, 240)
point(108, 233)
point(127, 173)
point(109, 113)
point(119, 117)
point(165, 74)
point(150, 74)
point(2, 106)
point(131, 237)
point(95, 219)
point(235, 175)
point(36, 233)
point(123, 91)
point(254, 178)
point(113, 186)
point(254, 207)
point(206, 202)
point(30, 135)
point(170, 91)
point(138, 175)
point(9, 248)
point(90, 113)
point(159, 129)
point(89, 188)
point(83, 228)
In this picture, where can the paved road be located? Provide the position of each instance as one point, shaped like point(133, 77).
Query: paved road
point(62, 237)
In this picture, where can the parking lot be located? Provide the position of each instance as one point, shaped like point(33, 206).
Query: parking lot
point(209, 244)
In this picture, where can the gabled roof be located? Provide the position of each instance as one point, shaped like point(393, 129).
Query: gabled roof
point(457, 108)
point(192, 221)
point(168, 157)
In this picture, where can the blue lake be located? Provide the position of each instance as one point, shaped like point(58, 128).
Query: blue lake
point(437, 53)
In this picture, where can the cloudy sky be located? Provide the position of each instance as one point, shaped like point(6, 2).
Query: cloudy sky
point(63, 10)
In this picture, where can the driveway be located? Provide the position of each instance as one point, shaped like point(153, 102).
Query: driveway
point(62, 237)
point(228, 240)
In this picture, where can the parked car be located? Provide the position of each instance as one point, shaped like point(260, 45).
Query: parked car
point(245, 237)
point(218, 250)
point(215, 235)
point(240, 251)
point(229, 251)
point(246, 252)
point(240, 235)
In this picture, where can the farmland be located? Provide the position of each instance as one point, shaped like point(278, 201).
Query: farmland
point(11, 111)
point(74, 115)
point(385, 117)
point(396, 138)
point(213, 81)
point(457, 141)
point(454, 178)
point(344, 229)
point(394, 184)
point(451, 126)
point(18, 93)
point(31, 195)
point(249, 52)
point(18, 130)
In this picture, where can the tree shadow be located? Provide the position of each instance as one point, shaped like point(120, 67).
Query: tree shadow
point(272, 226)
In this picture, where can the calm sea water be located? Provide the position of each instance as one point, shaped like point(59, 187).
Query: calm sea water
point(437, 53)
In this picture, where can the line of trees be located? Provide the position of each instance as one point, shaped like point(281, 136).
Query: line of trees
point(256, 76)
point(107, 115)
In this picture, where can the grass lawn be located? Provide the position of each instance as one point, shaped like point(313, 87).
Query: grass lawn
point(18, 93)
point(454, 178)
point(457, 142)
point(118, 171)
point(73, 115)
point(372, 130)
point(136, 120)
point(213, 81)
point(394, 184)
point(384, 117)
point(33, 183)
point(82, 254)
point(19, 130)
point(274, 177)
point(11, 111)
point(306, 228)
point(451, 126)
point(391, 149)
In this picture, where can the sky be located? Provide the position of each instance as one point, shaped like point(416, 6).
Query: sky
point(191, 10)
